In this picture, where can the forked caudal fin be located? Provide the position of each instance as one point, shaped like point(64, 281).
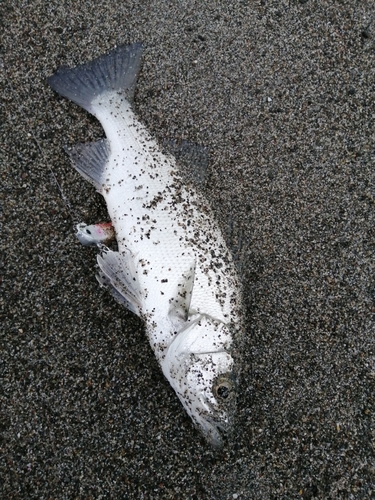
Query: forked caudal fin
point(117, 70)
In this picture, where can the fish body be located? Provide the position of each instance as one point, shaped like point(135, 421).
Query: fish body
point(172, 267)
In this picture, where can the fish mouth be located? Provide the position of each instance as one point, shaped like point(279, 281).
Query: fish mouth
point(214, 414)
point(215, 430)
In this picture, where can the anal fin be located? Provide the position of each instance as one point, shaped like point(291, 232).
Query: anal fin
point(90, 160)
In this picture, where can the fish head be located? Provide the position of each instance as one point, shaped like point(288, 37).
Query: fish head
point(200, 369)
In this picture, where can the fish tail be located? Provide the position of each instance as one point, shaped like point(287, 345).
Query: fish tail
point(115, 71)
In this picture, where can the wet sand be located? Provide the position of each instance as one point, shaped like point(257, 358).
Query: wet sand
point(282, 95)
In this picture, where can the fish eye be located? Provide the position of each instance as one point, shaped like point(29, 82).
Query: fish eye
point(223, 388)
point(223, 391)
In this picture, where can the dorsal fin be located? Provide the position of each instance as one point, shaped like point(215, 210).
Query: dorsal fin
point(192, 158)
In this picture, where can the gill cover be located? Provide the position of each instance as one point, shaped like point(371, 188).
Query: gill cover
point(199, 368)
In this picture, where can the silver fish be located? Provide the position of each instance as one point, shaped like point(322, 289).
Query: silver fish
point(172, 267)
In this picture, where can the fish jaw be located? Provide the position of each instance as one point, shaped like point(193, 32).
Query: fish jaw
point(200, 369)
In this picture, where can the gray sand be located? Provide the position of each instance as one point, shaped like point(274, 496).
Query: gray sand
point(282, 94)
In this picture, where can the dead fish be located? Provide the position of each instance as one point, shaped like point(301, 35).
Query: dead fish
point(173, 267)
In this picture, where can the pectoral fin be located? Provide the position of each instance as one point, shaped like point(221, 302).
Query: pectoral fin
point(180, 303)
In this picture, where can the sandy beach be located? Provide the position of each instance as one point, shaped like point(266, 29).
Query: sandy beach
point(281, 93)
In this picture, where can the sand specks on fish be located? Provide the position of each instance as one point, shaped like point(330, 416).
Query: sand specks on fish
point(172, 267)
